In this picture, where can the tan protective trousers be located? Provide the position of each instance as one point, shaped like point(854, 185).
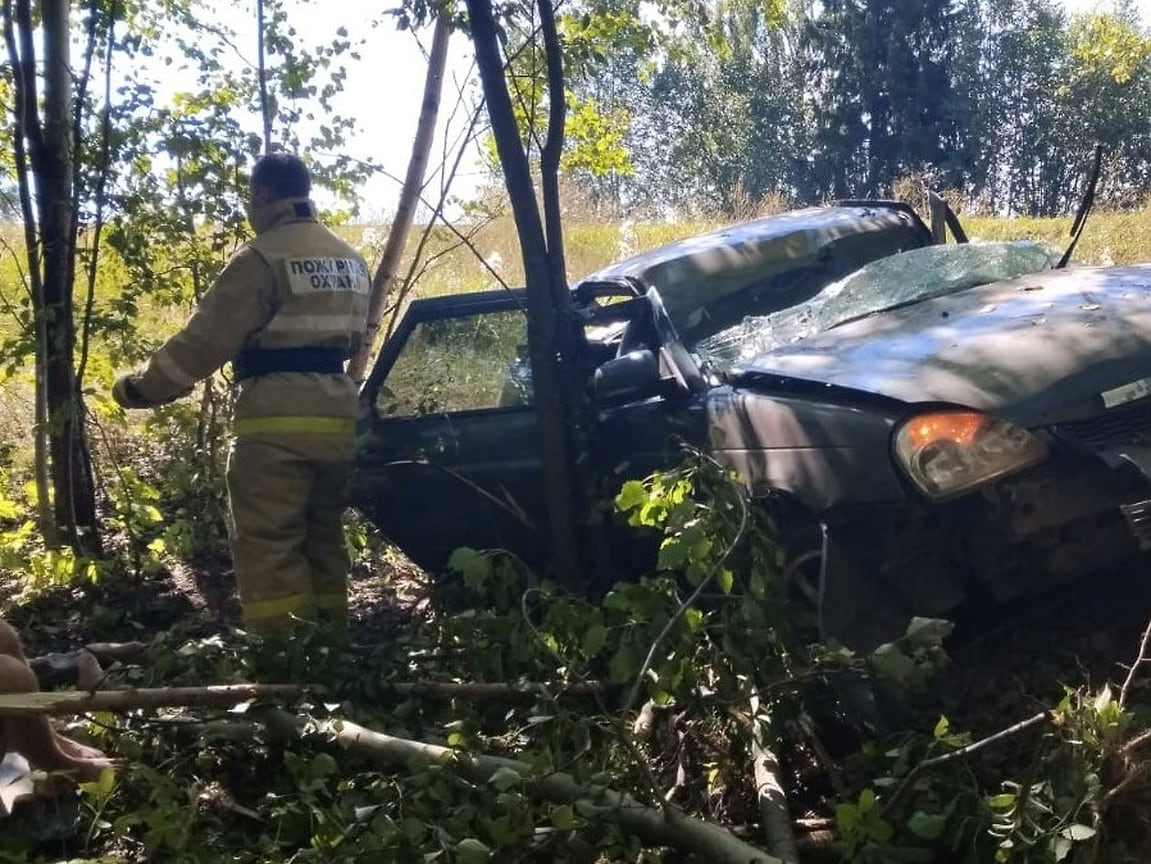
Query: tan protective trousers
point(286, 531)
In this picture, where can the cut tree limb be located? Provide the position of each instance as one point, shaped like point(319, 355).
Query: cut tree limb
point(82, 702)
point(666, 827)
point(653, 826)
point(772, 798)
point(224, 696)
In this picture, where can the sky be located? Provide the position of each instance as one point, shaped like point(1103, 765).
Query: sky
point(382, 91)
point(1075, 6)
point(384, 88)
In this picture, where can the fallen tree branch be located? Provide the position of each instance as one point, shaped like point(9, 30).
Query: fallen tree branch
point(1135, 743)
point(83, 702)
point(771, 794)
point(963, 752)
point(496, 690)
point(656, 827)
point(967, 750)
point(224, 696)
point(1140, 659)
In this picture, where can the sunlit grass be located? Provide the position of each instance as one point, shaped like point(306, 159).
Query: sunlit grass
point(1108, 238)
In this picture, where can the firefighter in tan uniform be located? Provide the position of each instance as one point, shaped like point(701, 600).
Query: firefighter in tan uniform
point(288, 310)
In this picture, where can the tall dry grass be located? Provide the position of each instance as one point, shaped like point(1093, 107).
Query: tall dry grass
point(1109, 238)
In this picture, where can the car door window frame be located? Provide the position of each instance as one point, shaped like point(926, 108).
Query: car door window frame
point(437, 309)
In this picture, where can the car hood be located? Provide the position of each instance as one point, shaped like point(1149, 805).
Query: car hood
point(1057, 345)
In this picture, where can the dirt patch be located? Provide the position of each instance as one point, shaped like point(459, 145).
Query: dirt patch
point(199, 598)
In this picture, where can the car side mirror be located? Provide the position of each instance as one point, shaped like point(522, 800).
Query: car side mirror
point(635, 375)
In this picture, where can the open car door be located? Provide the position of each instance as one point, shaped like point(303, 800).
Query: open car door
point(448, 446)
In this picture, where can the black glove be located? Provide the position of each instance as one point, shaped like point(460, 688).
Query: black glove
point(127, 394)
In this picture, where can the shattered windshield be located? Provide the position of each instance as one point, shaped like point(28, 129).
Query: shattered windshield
point(898, 280)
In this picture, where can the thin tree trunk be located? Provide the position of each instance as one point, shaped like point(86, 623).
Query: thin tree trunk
point(262, 74)
point(552, 150)
point(409, 196)
point(22, 59)
point(543, 306)
point(74, 497)
point(102, 168)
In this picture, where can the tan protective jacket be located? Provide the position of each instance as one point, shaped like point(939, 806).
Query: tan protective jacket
point(296, 286)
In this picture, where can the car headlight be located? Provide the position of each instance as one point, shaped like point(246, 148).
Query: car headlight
point(947, 453)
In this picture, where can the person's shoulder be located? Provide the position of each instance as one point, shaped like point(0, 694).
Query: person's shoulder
point(247, 259)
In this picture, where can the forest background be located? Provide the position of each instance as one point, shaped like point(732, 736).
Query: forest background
point(680, 116)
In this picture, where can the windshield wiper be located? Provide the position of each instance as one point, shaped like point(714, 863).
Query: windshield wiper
point(1084, 209)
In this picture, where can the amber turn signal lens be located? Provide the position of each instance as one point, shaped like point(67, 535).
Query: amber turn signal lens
point(949, 453)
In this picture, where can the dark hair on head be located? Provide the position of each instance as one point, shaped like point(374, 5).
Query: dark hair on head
point(284, 174)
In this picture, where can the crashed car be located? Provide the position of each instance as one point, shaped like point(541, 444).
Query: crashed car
point(934, 427)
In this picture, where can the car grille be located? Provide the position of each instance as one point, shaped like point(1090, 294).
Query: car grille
point(1125, 424)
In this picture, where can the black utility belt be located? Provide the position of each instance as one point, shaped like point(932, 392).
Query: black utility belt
point(254, 362)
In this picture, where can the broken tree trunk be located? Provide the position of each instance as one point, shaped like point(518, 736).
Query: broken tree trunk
point(409, 197)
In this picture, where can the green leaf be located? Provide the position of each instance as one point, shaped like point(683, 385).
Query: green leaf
point(891, 663)
point(563, 817)
point(846, 817)
point(323, 765)
point(472, 851)
point(673, 554)
point(881, 830)
point(694, 619)
point(594, 638)
point(474, 566)
point(726, 580)
point(622, 666)
point(1060, 848)
point(413, 829)
point(941, 728)
point(1003, 801)
point(927, 826)
point(631, 495)
point(505, 778)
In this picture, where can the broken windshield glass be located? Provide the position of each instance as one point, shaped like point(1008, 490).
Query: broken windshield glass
point(898, 280)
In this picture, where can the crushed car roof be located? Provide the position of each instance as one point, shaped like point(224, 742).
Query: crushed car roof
point(697, 271)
